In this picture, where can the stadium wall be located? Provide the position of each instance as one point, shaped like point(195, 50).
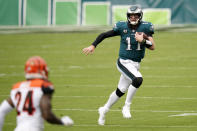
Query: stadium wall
point(92, 12)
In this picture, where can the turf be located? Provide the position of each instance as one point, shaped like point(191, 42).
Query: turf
point(83, 83)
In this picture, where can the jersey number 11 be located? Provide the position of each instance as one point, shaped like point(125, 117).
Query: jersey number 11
point(128, 39)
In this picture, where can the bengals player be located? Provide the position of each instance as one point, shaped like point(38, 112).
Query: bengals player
point(32, 99)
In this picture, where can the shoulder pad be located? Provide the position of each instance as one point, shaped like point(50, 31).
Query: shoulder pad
point(47, 87)
point(149, 26)
point(119, 25)
point(147, 23)
point(16, 85)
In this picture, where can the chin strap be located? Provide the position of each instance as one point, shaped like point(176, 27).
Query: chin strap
point(133, 22)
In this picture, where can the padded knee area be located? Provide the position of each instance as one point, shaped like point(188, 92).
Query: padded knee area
point(119, 93)
point(137, 81)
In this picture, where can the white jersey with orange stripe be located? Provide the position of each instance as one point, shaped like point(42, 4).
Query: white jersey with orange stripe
point(26, 98)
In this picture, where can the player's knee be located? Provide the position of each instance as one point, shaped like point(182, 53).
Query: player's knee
point(119, 93)
point(137, 81)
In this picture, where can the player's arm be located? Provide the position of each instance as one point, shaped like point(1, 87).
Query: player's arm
point(48, 115)
point(90, 49)
point(46, 109)
point(5, 107)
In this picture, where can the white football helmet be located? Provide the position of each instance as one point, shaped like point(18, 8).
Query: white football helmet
point(134, 9)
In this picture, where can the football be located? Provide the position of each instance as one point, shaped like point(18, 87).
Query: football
point(144, 35)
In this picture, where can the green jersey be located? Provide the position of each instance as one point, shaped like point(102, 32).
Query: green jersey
point(129, 47)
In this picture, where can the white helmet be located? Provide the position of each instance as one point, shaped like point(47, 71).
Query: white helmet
point(134, 9)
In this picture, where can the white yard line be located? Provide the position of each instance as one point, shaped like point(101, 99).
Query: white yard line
point(143, 86)
point(171, 98)
point(135, 126)
point(184, 114)
point(137, 97)
point(123, 126)
point(95, 110)
point(106, 66)
point(85, 75)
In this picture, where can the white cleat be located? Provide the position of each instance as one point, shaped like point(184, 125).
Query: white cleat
point(102, 111)
point(126, 112)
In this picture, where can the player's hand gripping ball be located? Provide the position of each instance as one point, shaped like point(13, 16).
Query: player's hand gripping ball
point(144, 35)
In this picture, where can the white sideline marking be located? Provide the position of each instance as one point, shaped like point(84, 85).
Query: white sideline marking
point(184, 114)
point(93, 110)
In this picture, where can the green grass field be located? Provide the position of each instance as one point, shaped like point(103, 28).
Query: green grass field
point(83, 83)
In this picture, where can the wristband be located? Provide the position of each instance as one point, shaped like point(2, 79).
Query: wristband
point(148, 43)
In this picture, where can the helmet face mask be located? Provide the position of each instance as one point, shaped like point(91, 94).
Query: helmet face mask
point(36, 67)
point(134, 10)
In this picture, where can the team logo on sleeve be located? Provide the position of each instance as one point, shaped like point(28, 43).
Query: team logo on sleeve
point(125, 31)
point(115, 26)
point(151, 28)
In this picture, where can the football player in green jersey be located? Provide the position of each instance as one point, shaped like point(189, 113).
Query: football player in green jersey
point(136, 35)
